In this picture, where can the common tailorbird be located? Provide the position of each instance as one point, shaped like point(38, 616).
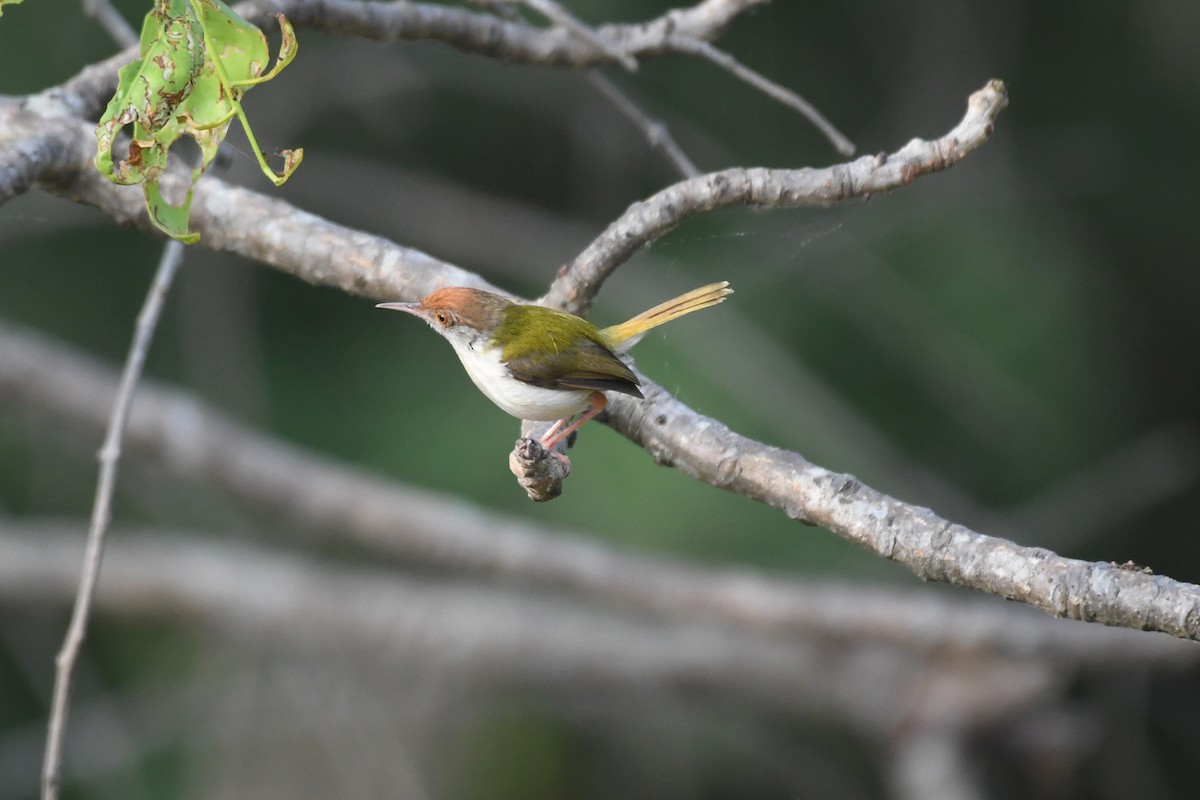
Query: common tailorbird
point(540, 364)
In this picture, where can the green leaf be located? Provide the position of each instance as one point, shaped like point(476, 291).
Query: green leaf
point(197, 59)
point(7, 2)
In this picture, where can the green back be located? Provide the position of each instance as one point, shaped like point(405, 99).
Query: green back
point(556, 350)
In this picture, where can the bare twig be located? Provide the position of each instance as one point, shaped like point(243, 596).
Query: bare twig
point(577, 283)
point(111, 20)
point(565, 19)
point(570, 43)
point(85, 94)
point(109, 456)
point(655, 131)
point(510, 40)
point(699, 47)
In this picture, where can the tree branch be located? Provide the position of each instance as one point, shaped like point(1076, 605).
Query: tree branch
point(110, 456)
point(254, 589)
point(656, 133)
point(245, 222)
point(931, 547)
point(514, 41)
point(25, 159)
point(235, 220)
point(490, 630)
point(698, 47)
point(570, 43)
point(577, 283)
point(566, 20)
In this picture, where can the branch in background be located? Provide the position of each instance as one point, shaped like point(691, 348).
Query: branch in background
point(496, 630)
point(509, 40)
point(656, 132)
point(578, 282)
point(570, 43)
point(257, 592)
point(110, 456)
point(111, 20)
point(566, 20)
point(342, 504)
point(699, 47)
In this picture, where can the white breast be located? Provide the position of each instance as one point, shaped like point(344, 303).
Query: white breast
point(519, 399)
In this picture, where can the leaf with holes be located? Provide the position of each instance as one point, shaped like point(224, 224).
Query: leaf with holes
point(197, 59)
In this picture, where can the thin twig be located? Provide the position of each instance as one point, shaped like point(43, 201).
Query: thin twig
point(109, 456)
point(86, 93)
point(655, 131)
point(699, 47)
point(508, 39)
point(565, 19)
point(111, 20)
point(576, 285)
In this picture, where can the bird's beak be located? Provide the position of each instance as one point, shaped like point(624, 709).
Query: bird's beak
point(411, 308)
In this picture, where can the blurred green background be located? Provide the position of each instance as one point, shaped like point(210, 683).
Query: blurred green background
point(1012, 342)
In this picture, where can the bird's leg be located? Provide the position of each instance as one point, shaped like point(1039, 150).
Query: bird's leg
point(596, 404)
point(549, 434)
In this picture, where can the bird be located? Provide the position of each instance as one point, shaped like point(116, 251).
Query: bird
point(541, 364)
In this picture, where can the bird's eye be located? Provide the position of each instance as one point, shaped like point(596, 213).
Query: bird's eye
point(442, 317)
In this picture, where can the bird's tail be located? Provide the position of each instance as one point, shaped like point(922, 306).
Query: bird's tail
point(627, 334)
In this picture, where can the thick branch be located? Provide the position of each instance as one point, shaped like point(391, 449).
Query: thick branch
point(25, 158)
point(578, 282)
point(932, 547)
point(235, 220)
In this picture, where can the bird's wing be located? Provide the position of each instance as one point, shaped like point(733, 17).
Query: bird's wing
point(590, 365)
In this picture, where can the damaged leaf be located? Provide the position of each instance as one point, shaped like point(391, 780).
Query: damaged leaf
point(197, 59)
